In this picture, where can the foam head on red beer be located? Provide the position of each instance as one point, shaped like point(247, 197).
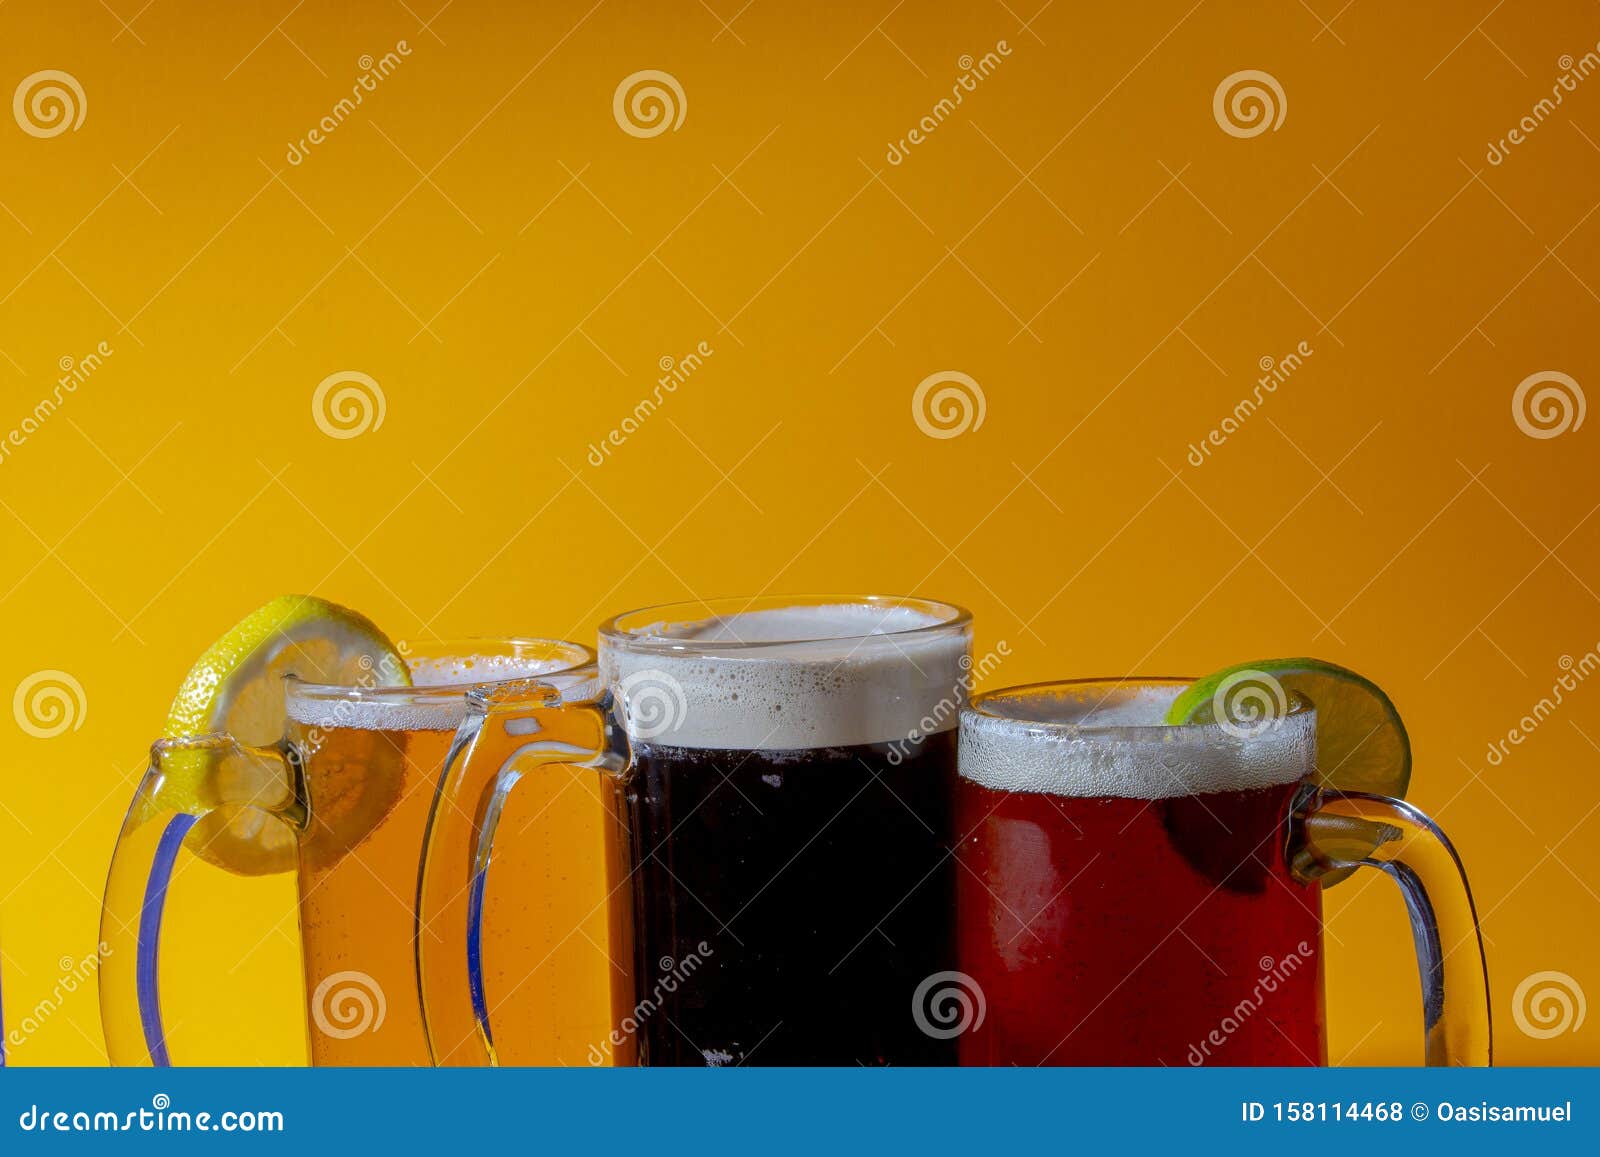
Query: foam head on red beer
point(1107, 738)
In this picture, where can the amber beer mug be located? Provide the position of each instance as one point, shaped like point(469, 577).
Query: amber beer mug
point(339, 806)
point(1134, 893)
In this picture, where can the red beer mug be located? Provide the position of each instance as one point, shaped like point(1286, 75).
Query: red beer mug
point(1137, 893)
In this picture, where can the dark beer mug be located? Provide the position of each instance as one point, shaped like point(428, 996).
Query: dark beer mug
point(1140, 894)
point(783, 772)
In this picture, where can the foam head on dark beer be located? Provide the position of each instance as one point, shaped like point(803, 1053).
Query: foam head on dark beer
point(1107, 739)
point(791, 677)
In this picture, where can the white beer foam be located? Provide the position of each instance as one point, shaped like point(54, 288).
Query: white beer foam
point(837, 675)
point(436, 700)
point(1060, 745)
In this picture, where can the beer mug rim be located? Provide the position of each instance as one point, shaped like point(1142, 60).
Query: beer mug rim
point(553, 656)
point(1057, 706)
point(1034, 738)
point(641, 631)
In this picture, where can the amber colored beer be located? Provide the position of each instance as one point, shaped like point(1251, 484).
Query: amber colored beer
point(370, 763)
point(1125, 898)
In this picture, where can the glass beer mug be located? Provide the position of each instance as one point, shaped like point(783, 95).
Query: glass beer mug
point(337, 808)
point(777, 775)
point(1134, 893)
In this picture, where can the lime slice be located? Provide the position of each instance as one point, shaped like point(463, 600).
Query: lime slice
point(1361, 742)
point(236, 688)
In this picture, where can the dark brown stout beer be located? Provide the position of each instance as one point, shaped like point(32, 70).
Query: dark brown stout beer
point(790, 794)
point(820, 879)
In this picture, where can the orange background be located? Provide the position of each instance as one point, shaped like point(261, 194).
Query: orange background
point(1079, 235)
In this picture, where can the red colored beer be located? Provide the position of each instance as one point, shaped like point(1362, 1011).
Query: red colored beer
point(1115, 911)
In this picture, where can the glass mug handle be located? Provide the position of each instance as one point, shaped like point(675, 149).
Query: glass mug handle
point(1336, 831)
point(210, 785)
point(510, 730)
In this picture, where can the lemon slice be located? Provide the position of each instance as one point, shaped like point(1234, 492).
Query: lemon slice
point(1361, 743)
point(236, 688)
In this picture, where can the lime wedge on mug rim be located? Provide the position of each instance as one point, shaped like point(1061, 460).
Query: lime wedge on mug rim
point(1361, 743)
